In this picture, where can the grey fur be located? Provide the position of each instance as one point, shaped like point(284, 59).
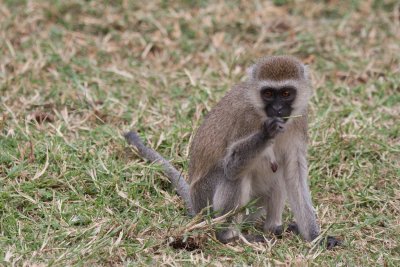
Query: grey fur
point(173, 175)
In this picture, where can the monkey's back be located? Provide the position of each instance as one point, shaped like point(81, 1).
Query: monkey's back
point(231, 119)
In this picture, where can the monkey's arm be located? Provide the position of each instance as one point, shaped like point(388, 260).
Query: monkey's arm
point(242, 152)
point(172, 174)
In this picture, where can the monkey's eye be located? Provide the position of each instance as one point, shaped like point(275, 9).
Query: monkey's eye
point(267, 94)
point(285, 94)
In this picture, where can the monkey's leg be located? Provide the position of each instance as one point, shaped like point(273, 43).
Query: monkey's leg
point(202, 191)
point(229, 196)
point(299, 195)
point(274, 205)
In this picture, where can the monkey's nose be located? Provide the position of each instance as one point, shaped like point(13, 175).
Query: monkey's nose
point(277, 108)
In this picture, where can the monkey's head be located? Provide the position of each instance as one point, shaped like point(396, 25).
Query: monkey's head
point(280, 86)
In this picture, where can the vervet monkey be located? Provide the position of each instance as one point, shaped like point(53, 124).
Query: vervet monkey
point(252, 146)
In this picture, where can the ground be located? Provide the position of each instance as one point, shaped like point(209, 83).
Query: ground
point(75, 75)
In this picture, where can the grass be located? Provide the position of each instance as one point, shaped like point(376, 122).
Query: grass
point(75, 75)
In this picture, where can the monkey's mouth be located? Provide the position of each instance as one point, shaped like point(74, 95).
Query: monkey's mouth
point(284, 114)
point(281, 116)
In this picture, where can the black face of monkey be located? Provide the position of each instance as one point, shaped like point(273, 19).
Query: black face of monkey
point(278, 101)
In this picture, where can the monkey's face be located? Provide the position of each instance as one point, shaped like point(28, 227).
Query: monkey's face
point(279, 86)
point(278, 102)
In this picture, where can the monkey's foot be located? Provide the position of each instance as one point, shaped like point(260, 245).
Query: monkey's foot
point(331, 241)
point(293, 228)
point(277, 230)
point(255, 238)
point(227, 235)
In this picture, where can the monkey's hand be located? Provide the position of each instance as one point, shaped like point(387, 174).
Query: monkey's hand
point(272, 127)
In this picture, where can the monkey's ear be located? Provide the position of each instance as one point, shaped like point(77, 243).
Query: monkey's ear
point(251, 72)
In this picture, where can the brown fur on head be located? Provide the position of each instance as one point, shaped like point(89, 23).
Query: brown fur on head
point(278, 68)
point(280, 71)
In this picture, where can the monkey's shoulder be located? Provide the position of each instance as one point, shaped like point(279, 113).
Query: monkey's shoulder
point(231, 119)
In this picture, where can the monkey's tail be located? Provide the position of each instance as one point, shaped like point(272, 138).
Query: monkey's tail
point(177, 180)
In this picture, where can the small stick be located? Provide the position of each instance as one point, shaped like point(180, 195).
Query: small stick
point(294, 116)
